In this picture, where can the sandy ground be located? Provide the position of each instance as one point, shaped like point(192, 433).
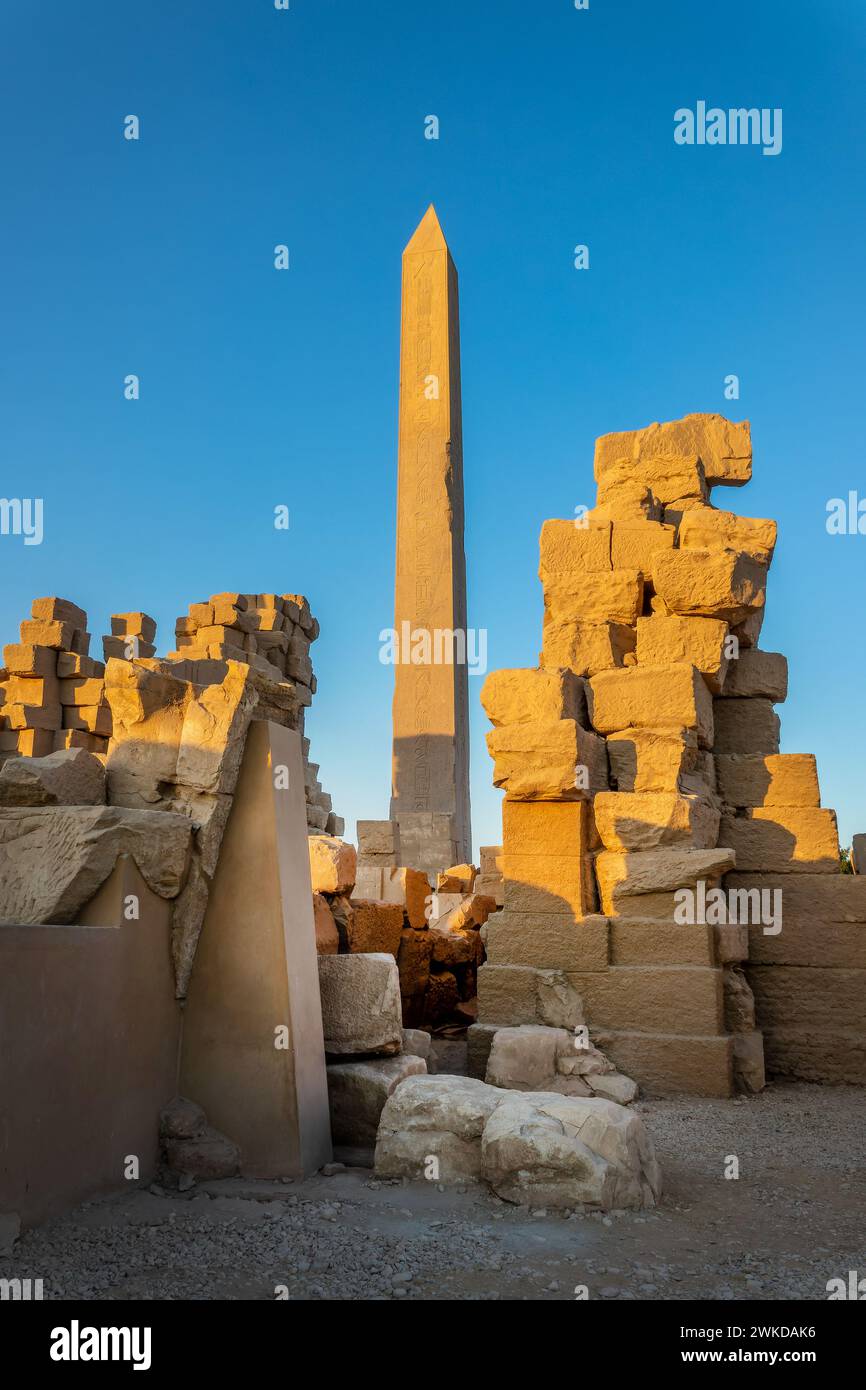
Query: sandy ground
point(794, 1218)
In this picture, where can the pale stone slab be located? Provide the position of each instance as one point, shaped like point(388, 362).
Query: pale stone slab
point(360, 1004)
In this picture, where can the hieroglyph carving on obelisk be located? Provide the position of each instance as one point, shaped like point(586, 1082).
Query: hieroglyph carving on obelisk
point(430, 770)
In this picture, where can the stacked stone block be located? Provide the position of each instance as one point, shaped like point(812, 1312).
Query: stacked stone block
point(52, 691)
point(653, 605)
point(132, 635)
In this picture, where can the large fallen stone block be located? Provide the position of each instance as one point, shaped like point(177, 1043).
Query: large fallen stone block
point(645, 820)
point(542, 760)
point(521, 994)
point(534, 1058)
point(53, 859)
point(568, 1151)
point(147, 712)
point(540, 694)
point(361, 1010)
point(723, 446)
point(652, 760)
point(783, 839)
point(72, 777)
point(435, 1117)
point(758, 673)
point(745, 726)
point(586, 647)
point(705, 528)
point(665, 641)
point(630, 884)
point(357, 1092)
point(332, 864)
point(722, 584)
point(657, 697)
point(775, 779)
point(612, 597)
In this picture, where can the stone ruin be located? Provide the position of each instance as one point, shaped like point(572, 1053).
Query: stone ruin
point(642, 775)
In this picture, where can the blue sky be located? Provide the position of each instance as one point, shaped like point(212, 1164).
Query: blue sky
point(306, 127)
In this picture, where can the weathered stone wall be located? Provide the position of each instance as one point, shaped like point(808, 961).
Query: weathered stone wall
point(642, 759)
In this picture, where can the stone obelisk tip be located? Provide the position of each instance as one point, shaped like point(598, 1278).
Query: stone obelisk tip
point(428, 235)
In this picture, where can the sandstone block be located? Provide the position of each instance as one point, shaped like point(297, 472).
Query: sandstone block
point(457, 878)
point(541, 760)
point(131, 625)
point(380, 837)
point(360, 1004)
point(45, 717)
point(723, 446)
point(808, 997)
point(652, 760)
point(542, 695)
point(357, 1092)
point(208, 1156)
point(700, 642)
point(805, 941)
point(739, 1001)
point(434, 1116)
point(672, 999)
point(636, 942)
point(33, 691)
point(375, 927)
point(705, 528)
point(73, 664)
point(722, 584)
point(566, 548)
point(783, 839)
point(548, 883)
point(568, 1151)
point(545, 827)
point(749, 1073)
point(413, 962)
point(673, 697)
point(647, 820)
point(332, 864)
point(835, 1056)
point(418, 1043)
point(410, 889)
point(816, 897)
point(490, 857)
point(39, 633)
point(612, 597)
point(745, 726)
point(58, 610)
point(25, 659)
point(623, 878)
point(82, 690)
point(31, 743)
point(519, 994)
point(71, 778)
point(635, 545)
point(548, 940)
point(327, 936)
point(670, 479)
point(479, 1040)
point(776, 779)
point(90, 719)
point(586, 647)
point(524, 1058)
point(758, 673)
point(76, 738)
point(126, 648)
point(664, 1064)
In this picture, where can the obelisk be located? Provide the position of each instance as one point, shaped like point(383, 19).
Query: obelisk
point(430, 765)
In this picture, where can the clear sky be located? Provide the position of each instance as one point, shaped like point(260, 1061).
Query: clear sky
point(260, 388)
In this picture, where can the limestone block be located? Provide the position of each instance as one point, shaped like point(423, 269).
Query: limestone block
point(327, 936)
point(775, 779)
point(724, 584)
point(360, 1004)
point(646, 820)
point(524, 696)
point(131, 625)
point(435, 1116)
point(652, 760)
point(783, 839)
point(375, 927)
point(637, 942)
point(522, 994)
point(58, 610)
point(381, 837)
point(705, 528)
point(635, 545)
point(657, 697)
point(749, 1073)
point(557, 1151)
point(541, 760)
point(53, 859)
point(548, 883)
point(25, 659)
point(91, 719)
point(758, 673)
point(664, 641)
point(82, 690)
point(568, 548)
point(586, 647)
point(548, 940)
point(623, 877)
point(69, 778)
point(357, 1092)
point(418, 1043)
point(745, 726)
point(524, 1058)
point(410, 889)
point(723, 446)
point(368, 882)
point(612, 597)
point(333, 864)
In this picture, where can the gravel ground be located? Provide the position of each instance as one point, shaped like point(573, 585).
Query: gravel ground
point(793, 1219)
